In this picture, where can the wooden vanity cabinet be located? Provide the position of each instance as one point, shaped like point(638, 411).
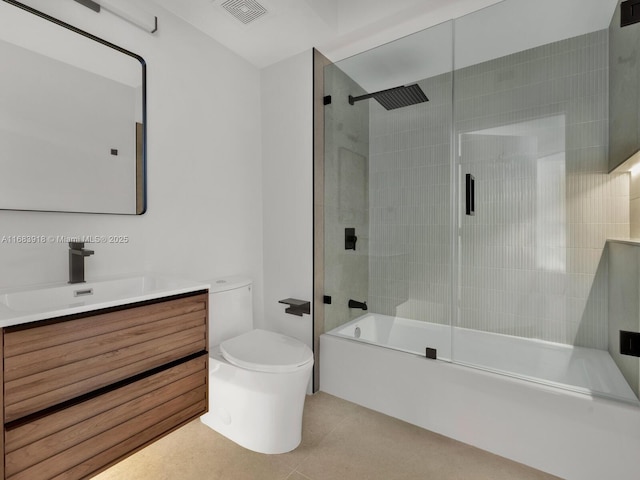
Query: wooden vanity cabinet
point(83, 392)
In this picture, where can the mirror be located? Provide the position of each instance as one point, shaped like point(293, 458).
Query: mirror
point(72, 118)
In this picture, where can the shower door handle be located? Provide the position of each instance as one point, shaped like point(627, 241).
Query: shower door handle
point(470, 189)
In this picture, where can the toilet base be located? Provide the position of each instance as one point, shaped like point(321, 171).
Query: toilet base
point(258, 410)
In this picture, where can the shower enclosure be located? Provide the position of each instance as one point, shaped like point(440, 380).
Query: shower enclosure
point(467, 201)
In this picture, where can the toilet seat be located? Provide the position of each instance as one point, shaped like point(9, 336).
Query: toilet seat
point(263, 351)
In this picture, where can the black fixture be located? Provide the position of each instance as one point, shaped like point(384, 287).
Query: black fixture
point(629, 12)
point(350, 239)
point(356, 304)
point(90, 4)
point(470, 189)
point(630, 343)
point(296, 307)
point(326, 299)
point(431, 353)
point(396, 97)
point(326, 100)
point(77, 252)
point(96, 7)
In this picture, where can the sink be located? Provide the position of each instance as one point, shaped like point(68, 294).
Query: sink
point(36, 303)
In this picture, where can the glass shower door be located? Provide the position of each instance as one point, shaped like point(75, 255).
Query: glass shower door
point(388, 223)
point(535, 206)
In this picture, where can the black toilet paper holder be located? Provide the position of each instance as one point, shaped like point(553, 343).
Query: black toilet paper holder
point(296, 307)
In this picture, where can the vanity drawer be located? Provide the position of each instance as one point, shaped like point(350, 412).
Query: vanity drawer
point(55, 361)
point(86, 437)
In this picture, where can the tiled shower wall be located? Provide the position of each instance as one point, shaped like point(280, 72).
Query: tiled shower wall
point(409, 206)
point(532, 129)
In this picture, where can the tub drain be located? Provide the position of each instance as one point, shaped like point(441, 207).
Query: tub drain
point(357, 332)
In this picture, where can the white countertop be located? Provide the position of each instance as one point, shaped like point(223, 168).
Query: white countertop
point(39, 302)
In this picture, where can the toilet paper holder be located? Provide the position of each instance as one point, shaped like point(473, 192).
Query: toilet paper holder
point(296, 307)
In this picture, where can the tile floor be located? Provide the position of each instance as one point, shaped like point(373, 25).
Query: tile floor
point(341, 441)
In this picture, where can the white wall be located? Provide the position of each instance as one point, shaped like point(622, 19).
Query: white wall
point(204, 216)
point(287, 118)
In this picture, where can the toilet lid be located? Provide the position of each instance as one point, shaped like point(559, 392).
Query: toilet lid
point(264, 351)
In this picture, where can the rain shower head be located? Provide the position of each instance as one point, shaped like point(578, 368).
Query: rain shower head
point(397, 97)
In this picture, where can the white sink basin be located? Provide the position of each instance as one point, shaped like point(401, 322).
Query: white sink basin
point(37, 303)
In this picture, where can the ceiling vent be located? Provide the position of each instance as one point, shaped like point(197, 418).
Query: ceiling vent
point(244, 10)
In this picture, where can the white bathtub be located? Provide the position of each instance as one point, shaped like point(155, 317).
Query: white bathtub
point(585, 370)
point(564, 431)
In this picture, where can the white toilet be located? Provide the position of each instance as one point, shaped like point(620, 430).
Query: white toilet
point(257, 379)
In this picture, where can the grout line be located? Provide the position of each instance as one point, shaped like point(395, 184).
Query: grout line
point(299, 473)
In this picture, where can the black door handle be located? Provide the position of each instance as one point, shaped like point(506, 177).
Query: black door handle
point(470, 189)
point(350, 239)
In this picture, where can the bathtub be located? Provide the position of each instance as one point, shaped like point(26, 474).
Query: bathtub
point(584, 370)
point(541, 410)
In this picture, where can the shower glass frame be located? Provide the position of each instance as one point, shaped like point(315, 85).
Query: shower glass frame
point(530, 265)
point(410, 148)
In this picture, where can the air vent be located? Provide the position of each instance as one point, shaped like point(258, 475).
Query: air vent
point(244, 10)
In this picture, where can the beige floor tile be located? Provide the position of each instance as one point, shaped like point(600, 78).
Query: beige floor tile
point(195, 452)
point(341, 441)
point(362, 448)
point(374, 446)
point(322, 414)
point(297, 476)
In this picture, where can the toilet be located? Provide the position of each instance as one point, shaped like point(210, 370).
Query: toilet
point(257, 379)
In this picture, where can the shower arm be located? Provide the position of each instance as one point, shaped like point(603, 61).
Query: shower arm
point(353, 100)
point(367, 96)
point(396, 97)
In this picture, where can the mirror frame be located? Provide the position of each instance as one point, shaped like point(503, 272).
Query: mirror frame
point(141, 129)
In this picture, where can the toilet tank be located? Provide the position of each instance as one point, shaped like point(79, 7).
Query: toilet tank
point(230, 308)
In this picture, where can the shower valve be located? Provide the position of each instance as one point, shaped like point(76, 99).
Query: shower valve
point(350, 239)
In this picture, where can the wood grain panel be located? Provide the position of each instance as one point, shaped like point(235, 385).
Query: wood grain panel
point(38, 428)
point(141, 195)
point(154, 406)
point(130, 445)
point(2, 439)
point(113, 444)
point(31, 404)
point(35, 337)
point(28, 364)
point(76, 357)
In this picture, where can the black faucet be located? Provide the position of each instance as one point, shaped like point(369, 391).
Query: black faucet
point(356, 304)
point(77, 252)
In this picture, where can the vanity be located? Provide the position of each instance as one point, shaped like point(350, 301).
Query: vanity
point(93, 372)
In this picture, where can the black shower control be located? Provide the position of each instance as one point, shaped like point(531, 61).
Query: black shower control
point(350, 239)
point(630, 343)
point(326, 299)
point(326, 100)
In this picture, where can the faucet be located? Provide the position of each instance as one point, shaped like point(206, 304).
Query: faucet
point(356, 304)
point(77, 253)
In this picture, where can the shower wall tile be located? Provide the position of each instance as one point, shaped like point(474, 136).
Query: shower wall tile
point(533, 130)
point(409, 206)
point(534, 134)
